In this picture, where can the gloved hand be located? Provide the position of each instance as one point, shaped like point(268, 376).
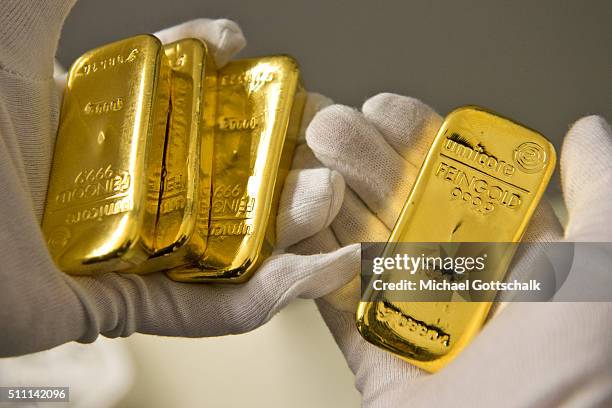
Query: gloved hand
point(530, 354)
point(41, 307)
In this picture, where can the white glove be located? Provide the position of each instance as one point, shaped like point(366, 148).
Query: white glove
point(41, 307)
point(531, 354)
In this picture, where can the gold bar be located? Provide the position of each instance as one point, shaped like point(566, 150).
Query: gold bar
point(510, 166)
point(259, 107)
point(112, 128)
point(179, 193)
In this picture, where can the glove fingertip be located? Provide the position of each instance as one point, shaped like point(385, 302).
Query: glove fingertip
point(329, 125)
point(229, 42)
point(314, 103)
point(586, 179)
point(585, 156)
point(407, 124)
point(329, 272)
point(282, 278)
point(223, 37)
point(310, 199)
point(589, 131)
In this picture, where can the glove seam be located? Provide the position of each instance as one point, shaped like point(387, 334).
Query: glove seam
point(330, 201)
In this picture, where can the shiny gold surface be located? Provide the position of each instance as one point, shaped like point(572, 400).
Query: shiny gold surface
point(146, 121)
point(179, 192)
point(481, 181)
point(111, 133)
point(259, 107)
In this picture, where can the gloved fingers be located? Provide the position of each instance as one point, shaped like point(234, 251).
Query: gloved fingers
point(304, 158)
point(344, 140)
point(223, 37)
point(543, 228)
point(322, 242)
point(284, 278)
point(544, 225)
point(353, 224)
point(30, 37)
point(356, 223)
point(34, 298)
point(525, 342)
point(119, 305)
point(586, 179)
point(377, 372)
point(309, 202)
point(406, 123)
point(314, 103)
point(346, 297)
point(527, 261)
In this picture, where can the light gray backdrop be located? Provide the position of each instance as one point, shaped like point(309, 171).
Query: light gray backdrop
point(542, 63)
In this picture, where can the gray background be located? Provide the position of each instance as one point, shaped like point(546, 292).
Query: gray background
point(543, 63)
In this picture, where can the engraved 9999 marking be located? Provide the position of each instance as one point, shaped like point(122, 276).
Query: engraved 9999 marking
point(95, 183)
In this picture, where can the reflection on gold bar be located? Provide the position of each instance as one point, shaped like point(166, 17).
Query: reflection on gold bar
point(481, 181)
point(111, 131)
point(259, 108)
point(179, 191)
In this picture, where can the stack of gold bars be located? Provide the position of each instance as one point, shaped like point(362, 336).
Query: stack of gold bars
point(164, 163)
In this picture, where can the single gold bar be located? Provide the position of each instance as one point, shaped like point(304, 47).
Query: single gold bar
point(480, 182)
point(179, 192)
point(259, 108)
point(111, 135)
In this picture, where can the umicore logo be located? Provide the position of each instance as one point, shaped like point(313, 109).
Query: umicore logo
point(530, 157)
point(467, 153)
